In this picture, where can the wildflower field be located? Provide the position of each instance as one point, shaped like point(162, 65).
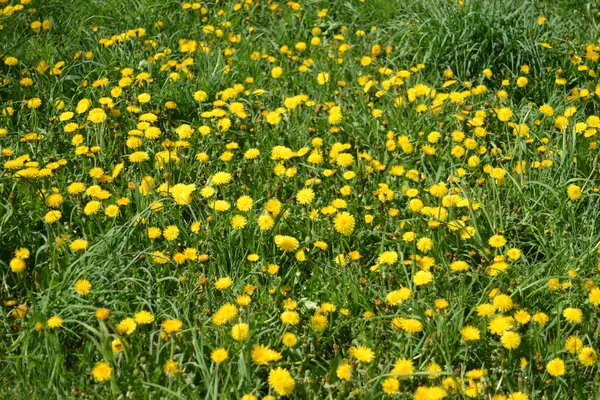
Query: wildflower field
point(255, 199)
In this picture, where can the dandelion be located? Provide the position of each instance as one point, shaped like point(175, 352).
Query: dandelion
point(422, 278)
point(556, 367)
point(171, 367)
point(171, 232)
point(281, 381)
point(305, 196)
point(126, 327)
point(54, 322)
point(102, 314)
point(96, 115)
point(572, 315)
point(101, 372)
point(286, 243)
point(403, 368)
point(219, 355)
point(239, 332)
point(289, 339)
point(362, 354)
point(17, 265)
point(587, 356)
point(143, 317)
point(344, 372)
point(510, 340)
point(470, 333)
point(344, 223)
point(221, 178)
point(390, 385)
point(223, 283)
point(504, 114)
point(226, 313)
point(79, 245)
point(574, 192)
point(82, 287)
point(263, 355)
point(171, 325)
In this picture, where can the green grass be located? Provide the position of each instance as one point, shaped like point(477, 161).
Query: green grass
point(557, 236)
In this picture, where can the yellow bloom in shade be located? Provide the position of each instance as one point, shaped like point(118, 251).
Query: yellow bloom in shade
point(126, 327)
point(344, 372)
point(497, 241)
point(290, 317)
point(572, 315)
point(17, 265)
point(226, 313)
point(54, 322)
point(223, 283)
point(404, 368)
point(504, 114)
point(172, 325)
point(263, 355)
point(510, 340)
point(459, 266)
point(138, 157)
point(22, 253)
point(556, 367)
point(500, 324)
point(171, 232)
point(111, 211)
point(362, 354)
point(398, 296)
point(92, 207)
point(574, 192)
point(239, 332)
point(96, 115)
point(79, 245)
point(286, 243)
point(425, 245)
point(322, 78)
point(503, 302)
point(101, 372)
point(470, 333)
point(244, 203)
point(83, 287)
point(518, 396)
point(390, 385)
point(102, 314)
point(238, 222)
point(344, 223)
point(116, 345)
point(143, 317)
point(52, 216)
point(411, 325)
point(219, 355)
point(289, 339)
point(587, 356)
point(387, 257)
point(265, 222)
point(281, 381)
point(171, 367)
point(182, 194)
point(422, 278)
point(319, 322)
point(541, 318)
point(221, 178)
point(573, 344)
point(276, 72)
point(594, 296)
point(305, 196)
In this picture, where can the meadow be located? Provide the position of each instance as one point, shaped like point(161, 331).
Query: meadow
point(344, 199)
